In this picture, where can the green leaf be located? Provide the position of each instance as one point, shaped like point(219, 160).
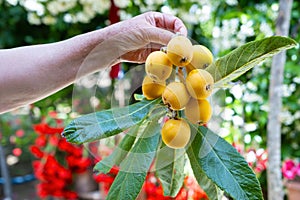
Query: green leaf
point(119, 153)
point(224, 165)
point(245, 57)
point(139, 97)
point(134, 167)
point(169, 168)
point(206, 184)
point(106, 123)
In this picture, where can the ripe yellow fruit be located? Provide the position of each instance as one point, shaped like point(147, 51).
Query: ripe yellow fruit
point(175, 95)
point(176, 133)
point(199, 83)
point(202, 57)
point(180, 50)
point(158, 66)
point(198, 111)
point(152, 89)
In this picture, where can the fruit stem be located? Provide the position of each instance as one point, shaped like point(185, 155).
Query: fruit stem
point(180, 75)
point(177, 114)
point(163, 49)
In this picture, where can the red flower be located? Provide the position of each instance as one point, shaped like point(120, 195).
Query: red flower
point(114, 71)
point(114, 170)
point(76, 151)
point(53, 140)
point(41, 141)
point(36, 164)
point(63, 145)
point(194, 190)
point(55, 170)
point(58, 184)
point(290, 169)
point(289, 164)
point(20, 133)
point(78, 164)
point(46, 129)
point(52, 114)
point(42, 190)
point(36, 152)
point(70, 195)
point(58, 193)
point(17, 151)
point(38, 170)
point(183, 194)
point(65, 174)
point(238, 147)
point(104, 178)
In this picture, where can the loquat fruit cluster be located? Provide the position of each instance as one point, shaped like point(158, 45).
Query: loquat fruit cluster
point(186, 92)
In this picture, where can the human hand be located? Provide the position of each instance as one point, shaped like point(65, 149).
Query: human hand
point(132, 40)
point(148, 32)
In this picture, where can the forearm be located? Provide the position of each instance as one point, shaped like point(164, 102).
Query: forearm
point(28, 74)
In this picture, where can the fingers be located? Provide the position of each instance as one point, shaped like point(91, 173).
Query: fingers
point(137, 36)
point(157, 35)
point(140, 55)
point(169, 22)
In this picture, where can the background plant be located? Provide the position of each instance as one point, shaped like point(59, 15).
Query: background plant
point(57, 161)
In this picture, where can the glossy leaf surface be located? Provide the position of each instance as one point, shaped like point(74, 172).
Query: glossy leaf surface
point(223, 165)
point(245, 57)
point(106, 123)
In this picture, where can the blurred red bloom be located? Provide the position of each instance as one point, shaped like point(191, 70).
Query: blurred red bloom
point(189, 190)
point(77, 164)
point(41, 141)
point(36, 151)
point(58, 161)
point(114, 170)
point(70, 195)
point(52, 114)
point(20, 133)
point(114, 71)
point(54, 139)
point(17, 151)
point(63, 145)
point(291, 169)
point(44, 128)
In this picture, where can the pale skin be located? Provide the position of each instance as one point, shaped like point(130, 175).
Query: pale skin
point(31, 73)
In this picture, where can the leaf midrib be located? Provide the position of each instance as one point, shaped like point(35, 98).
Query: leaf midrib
point(122, 116)
point(113, 119)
